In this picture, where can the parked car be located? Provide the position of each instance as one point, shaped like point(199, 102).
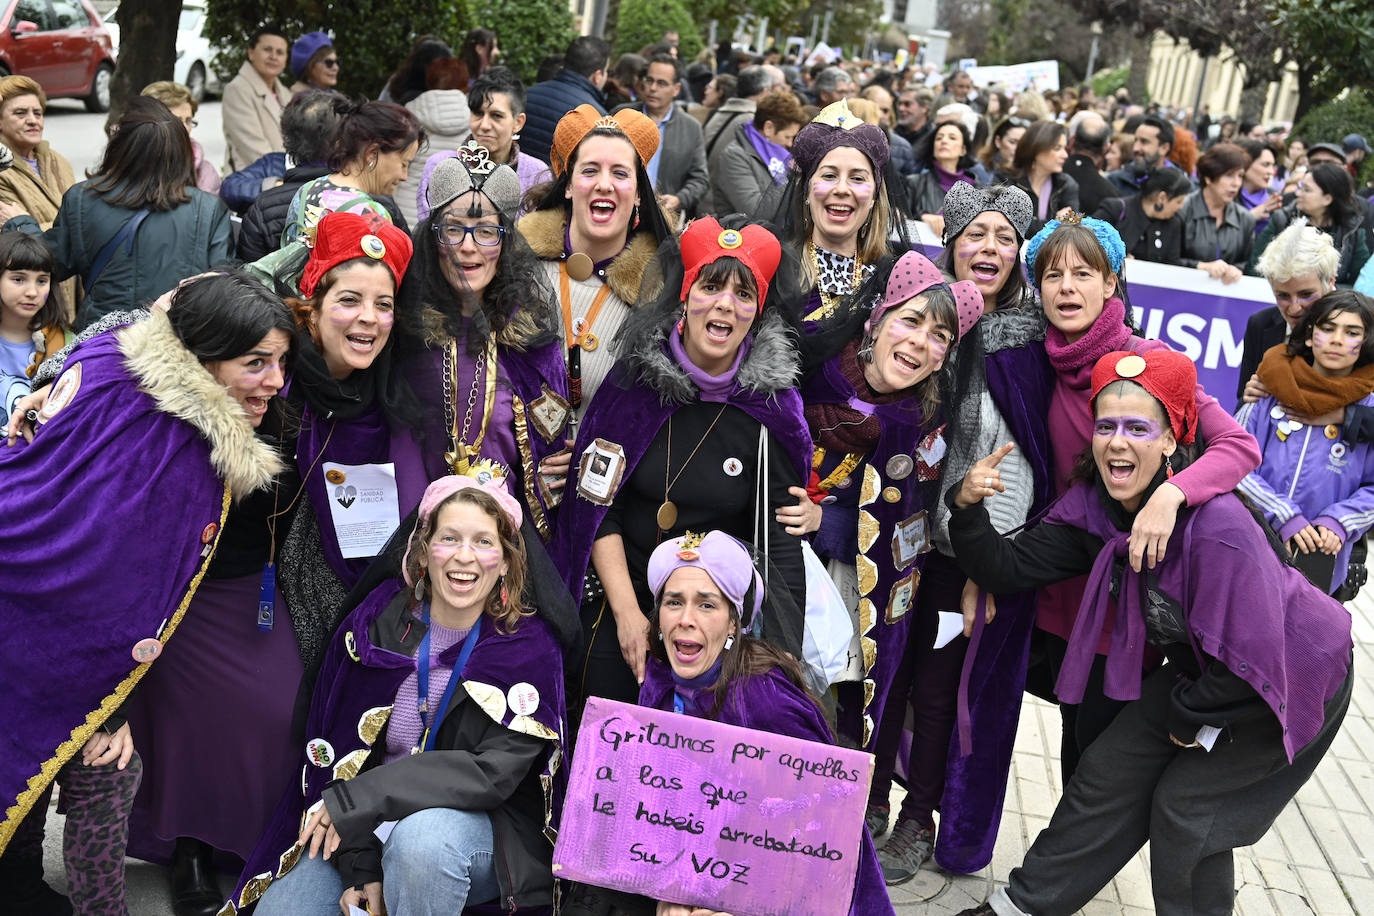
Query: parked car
point(62, 45)
point(194, 54)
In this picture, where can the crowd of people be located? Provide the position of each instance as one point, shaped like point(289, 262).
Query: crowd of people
point(394, 447)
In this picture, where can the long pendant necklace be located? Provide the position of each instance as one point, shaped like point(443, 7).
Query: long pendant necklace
point(667, 511)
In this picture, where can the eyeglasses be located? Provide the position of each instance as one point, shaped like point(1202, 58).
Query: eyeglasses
point(330, 62)
point(453, 235)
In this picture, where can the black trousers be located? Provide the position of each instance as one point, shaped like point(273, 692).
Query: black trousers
point(1133, 784)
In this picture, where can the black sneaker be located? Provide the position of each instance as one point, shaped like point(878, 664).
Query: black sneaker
point(875, 818)
point(909, 847)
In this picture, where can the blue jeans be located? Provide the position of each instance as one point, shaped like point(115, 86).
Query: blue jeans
point(435, 862)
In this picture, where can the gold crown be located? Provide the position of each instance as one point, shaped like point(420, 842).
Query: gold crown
point(838, 114)
point(687, 546)
point(484, 471)
point(1073, 219)
point(476, 159)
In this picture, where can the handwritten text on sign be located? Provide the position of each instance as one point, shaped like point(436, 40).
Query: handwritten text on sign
point(692, 811)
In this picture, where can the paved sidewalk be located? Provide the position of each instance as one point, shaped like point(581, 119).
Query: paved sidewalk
point(1309, 863)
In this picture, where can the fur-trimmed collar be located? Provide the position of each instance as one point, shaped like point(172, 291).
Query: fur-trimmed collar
point(544, 231)
point(1008, 328)
point(182, 387)
point(772, 364)
point(517, 335)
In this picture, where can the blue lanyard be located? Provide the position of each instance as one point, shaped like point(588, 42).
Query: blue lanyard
point(677, 703)
point(422, 680)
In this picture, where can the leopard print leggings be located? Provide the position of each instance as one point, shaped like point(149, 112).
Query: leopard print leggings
point(97, 801)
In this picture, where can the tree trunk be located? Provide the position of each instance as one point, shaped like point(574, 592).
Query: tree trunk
point(1252, 99)
point(147, 39)
point(1307, 96)
point(1140, 68)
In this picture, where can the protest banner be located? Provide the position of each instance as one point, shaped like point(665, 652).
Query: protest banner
point(692, 811)
point(1184, 307)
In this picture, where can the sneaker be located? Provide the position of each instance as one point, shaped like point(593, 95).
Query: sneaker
point(875, 818)
point(909, 847)
point(982, 909)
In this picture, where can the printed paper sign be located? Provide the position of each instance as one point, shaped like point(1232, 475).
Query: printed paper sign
point(692, 811)
point(363, 506)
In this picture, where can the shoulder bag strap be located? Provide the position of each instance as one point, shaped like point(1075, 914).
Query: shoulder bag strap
point(125, 236)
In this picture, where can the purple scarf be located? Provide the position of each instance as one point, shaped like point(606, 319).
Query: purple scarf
point(947, 180)
point(715, 388)
point(777, 157)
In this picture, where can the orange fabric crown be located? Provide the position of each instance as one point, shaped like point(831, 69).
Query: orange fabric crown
point(704, 241)
point(1169, 377)
point(576, 124)
point(342, 237)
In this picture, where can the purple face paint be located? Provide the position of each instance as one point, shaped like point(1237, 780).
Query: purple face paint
point(488, 555)
point(1141, 429)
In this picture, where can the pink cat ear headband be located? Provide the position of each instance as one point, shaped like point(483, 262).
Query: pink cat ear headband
point(912, 275)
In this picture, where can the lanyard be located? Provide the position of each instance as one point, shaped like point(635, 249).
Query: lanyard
point(677, 703)
point(428, 737)
point(583, 337)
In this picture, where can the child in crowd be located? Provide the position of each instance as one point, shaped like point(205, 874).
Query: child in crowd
point(33, 319)
point(1312, 486)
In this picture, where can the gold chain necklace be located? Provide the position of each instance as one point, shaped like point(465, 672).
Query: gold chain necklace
point(667, 511)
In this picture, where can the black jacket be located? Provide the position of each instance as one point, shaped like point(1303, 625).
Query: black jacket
point(1063, 193)
point(1263, 330)
point(545, 105)
point(1157, 240)
point(265, 218)
point(477, 765)
point(1092, 187)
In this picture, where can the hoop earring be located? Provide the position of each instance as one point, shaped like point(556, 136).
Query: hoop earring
point(866, 350)
point(372, 166)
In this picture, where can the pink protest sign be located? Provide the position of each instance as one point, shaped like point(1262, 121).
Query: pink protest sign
point(691, 811)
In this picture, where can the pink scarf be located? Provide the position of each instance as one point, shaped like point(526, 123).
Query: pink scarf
point(1070, 419)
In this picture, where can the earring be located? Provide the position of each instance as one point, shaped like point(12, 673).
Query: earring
point(634, 217)
point(681, 318)
point(372, 166)
point(866, 351)
point(515, 136)
point(505, 599)
point(1168, 466)
point(660, 636)
point(420, 587)
point(729, 642)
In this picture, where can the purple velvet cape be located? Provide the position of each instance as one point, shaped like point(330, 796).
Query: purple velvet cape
point(531, 373)
point(630, 413)
point(771, 703)
point(1020, 381)
point(1258, 616)
point(353, 697)
point(77, 591)
point(884, 619)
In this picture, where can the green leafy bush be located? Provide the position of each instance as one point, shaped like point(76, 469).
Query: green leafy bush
point(643, 22)
point(1330, 122)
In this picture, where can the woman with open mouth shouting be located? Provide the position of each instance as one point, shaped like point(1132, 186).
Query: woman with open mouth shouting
point(1209, 748)
point(1076, 266)
point(699, 426)
point(873, 408)
point(432, 778)
point(836, 213)
point(487, 363)
point(268, 604)
point(149, 433)
point(595, 230)
point(703, 662)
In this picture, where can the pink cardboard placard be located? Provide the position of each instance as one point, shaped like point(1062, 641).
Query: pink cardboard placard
point(692, 811)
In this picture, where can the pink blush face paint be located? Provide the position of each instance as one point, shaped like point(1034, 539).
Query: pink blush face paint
point(487, 557)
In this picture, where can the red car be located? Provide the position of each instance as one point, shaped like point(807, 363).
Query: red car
point(61, 44)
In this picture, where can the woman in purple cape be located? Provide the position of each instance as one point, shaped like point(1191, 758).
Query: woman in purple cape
point(873, 407)
point(182, 392)
point(481, 350)
point(699, 426)
point(432, 778)
point(702, 663)
point(1210, 747)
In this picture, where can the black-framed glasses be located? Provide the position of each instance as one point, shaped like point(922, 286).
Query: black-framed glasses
point(452, 234)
